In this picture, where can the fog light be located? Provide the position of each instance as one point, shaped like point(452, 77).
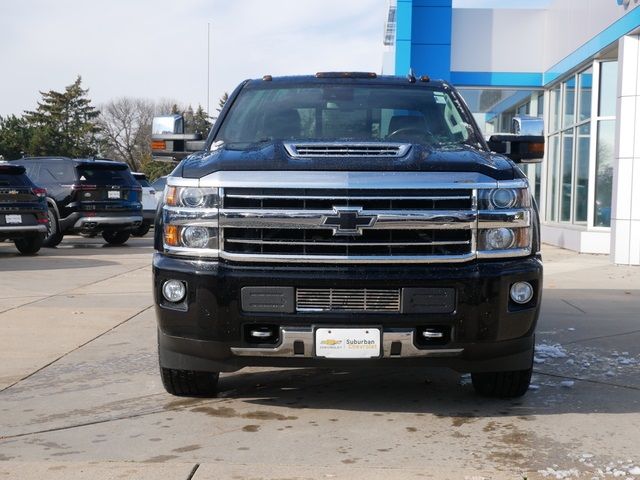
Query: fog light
point(195, 237)
point(174, 290)
point(521, 292)
point(499, 238)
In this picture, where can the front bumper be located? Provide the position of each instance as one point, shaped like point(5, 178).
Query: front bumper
point(207, 331)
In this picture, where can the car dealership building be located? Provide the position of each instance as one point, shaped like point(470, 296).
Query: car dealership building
point(574, 63)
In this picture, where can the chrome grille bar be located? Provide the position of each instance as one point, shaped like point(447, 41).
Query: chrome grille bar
point(313, 219)
point(347, 299)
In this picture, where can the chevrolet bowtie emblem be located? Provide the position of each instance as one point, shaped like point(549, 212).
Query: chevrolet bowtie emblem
point(348, 221)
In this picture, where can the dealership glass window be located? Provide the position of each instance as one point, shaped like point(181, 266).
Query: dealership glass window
point(555, 106)
point(606, 125)
point(569, 102)
point(585, 81)
point(568, 162)
point(581, 194)
point(566, 175)
point(553, 164)
point(608, 89)
point(571, 124)
point(604, 172)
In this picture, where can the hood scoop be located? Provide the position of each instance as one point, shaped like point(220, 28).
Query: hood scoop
point(346, 149)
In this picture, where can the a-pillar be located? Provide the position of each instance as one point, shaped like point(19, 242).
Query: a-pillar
point(625, 215)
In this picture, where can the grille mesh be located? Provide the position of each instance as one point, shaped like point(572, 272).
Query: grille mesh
point(347, 299)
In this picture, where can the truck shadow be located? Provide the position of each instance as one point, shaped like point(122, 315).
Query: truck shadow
point(437, 392)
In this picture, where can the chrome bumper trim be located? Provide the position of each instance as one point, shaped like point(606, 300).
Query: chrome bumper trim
point(107, 220)
point(290, 335)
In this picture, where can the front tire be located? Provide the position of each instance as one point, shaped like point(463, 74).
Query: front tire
point(502, 384)
point(189, 383)
point(54, 235)
point(115, 238)
point(29, 245)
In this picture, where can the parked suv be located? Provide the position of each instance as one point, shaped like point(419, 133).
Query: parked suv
point(149, 204)
point(23, 210)
point(87, 196)
point(347, 219)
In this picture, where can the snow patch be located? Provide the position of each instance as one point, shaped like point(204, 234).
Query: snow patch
point(544, 351)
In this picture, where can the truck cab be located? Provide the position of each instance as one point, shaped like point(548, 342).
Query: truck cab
point(348, 219)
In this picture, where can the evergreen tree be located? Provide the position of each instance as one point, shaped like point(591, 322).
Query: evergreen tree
point(222, 101)
point(201, 122)
point(64, 123)
point(15, 136)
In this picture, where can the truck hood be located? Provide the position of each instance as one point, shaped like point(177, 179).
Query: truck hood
point(420, 158)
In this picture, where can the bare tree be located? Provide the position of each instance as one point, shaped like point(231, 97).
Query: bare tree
point(125, 128)
point(125, 125)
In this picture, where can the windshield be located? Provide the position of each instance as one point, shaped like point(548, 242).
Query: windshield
point(370, 113)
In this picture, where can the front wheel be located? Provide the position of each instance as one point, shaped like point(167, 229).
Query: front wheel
point(502, 384)
point(115, 237)
point(29, 245)
point(189, 383)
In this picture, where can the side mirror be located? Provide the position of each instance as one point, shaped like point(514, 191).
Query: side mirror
point(526, 125)
point(169, 143)
point(519, 148)
point(167, 125)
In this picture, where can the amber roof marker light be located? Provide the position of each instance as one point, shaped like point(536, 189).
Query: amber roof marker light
point(346, 75)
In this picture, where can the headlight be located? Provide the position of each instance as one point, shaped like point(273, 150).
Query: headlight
point(190, 218)
point(498, 238)
point(503, 198)
point(504, 238)
point(191, 197)
point(195, 237)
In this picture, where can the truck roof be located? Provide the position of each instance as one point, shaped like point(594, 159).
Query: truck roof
point(351, 77)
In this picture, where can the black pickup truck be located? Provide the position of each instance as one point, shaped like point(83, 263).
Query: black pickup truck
point(23, 210)
point(348, 219)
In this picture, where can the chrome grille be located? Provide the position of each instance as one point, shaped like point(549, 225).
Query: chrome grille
point(365, 149)
point(348, 225)
point(347, 299)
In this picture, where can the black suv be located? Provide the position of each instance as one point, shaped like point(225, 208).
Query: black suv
point(345, 220)
point(87, 197)
point(23, 210)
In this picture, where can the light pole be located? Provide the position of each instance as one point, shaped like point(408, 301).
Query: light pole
point(208, 68)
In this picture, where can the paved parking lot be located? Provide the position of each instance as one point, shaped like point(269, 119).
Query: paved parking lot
point(80, 396)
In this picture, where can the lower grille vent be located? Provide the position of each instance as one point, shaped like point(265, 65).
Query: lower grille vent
point(347, 299)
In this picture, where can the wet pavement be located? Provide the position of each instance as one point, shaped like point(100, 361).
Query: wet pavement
point(81, 396)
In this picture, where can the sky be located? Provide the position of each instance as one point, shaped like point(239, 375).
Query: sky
point(157, 49)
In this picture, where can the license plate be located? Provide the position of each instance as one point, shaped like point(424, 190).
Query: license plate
point(13, 219)
point(348, 342)
point(114, 194)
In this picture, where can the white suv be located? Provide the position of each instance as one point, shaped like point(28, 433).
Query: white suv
point(149, 204)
